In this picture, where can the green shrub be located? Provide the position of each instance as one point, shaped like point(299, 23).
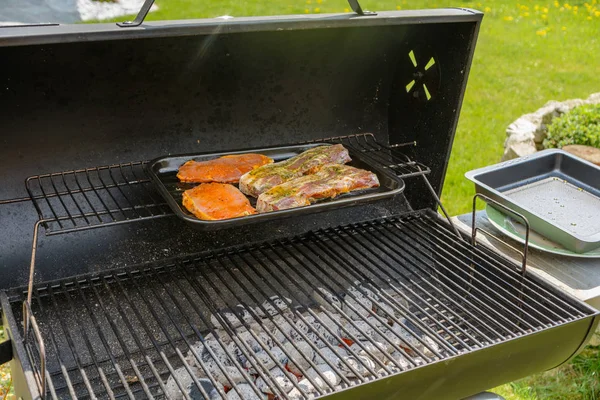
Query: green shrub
point(581, 125)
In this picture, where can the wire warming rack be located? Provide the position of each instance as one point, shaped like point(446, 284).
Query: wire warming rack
point(100, 196)
point(88, 198)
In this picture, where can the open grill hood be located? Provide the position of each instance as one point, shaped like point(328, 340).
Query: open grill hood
point(113, 312)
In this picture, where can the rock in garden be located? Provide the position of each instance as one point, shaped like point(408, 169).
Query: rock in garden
point(588, 153)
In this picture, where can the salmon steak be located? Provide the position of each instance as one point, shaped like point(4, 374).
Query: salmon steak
point(329, 182)
point(226, 169)
point(264, 178)
point(214, 201)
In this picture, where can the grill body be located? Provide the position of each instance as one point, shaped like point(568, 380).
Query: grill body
point(115, 311)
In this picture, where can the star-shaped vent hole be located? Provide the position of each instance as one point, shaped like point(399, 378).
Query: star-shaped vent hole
point(425, 78)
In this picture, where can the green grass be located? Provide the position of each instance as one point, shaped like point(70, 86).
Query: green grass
point(526, 55)
point(5, 379)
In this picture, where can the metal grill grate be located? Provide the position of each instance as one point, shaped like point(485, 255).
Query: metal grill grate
point(123, 334)
point(389, 157)
point(85, 198)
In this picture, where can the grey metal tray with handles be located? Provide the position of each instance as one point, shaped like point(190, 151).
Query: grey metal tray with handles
point(558, 193)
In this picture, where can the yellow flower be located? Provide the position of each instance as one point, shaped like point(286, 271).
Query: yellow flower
point(317, 10)
point(556, 4)
point(544, 17)
point(509, 18)
point(597, 13)
point(398, 8)
point(567, 6)
point(536, 7)
point(526, 14)
point(541, 32)
point(545, 10)
point(319, 1)
point(346, 9)
point(589, 18)
point(564, 28)
point(487, 9)
point(575, 8)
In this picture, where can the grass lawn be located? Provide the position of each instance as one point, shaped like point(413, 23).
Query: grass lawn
point(526, 55)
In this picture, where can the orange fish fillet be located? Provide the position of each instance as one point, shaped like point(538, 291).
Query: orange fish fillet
point(226, 169)
point(212, 201)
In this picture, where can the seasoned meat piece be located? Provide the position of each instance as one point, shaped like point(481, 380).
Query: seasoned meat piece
point(330, 181)
point(264, 178)
point(226, 169)
point(210, 201)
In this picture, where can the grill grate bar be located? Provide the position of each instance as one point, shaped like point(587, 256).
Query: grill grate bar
point(295, 297)
point(507, 277)
point(477, 276)
point(69, 339)
point(263, 327)
point(197, 357)
point(246, 351)
point(83, 334)
point(433, 283)
point(120, 338)
point(104, 339)
point(222, 296)
point(341, 285)
point(383, 276)
point(63, 368)
point(101, 196)
point(488, 310)
point(445, 263)
point(319, 319)
point(388, 157)
point(129, 333)
point(148, 333)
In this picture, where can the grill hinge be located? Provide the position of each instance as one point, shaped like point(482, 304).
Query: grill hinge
point(6, 353)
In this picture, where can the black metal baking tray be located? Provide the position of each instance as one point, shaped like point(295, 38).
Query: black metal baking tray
point(163, 172)
point(558, 193)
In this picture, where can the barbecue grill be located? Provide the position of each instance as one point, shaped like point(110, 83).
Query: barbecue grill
point(105, 293)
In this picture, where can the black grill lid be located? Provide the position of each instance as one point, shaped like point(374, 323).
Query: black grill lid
point(84, 96)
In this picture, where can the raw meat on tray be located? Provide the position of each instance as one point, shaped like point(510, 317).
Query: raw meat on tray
point(330, 181)
point(264, 178)
point(226, 169)
point(213, 201)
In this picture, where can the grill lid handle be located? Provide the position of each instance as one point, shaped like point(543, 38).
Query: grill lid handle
point(139, 19)
point(358, 9)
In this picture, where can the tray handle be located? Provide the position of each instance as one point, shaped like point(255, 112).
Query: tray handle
point(475, 229)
